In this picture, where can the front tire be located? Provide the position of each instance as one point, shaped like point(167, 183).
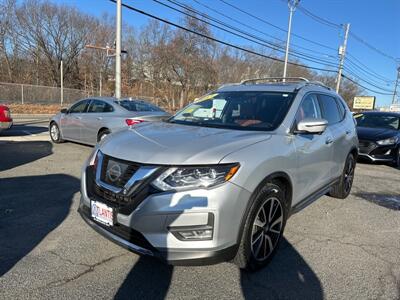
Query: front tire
point(396, 162)
point(343, 188)
point(263, 229)
point(55, 133)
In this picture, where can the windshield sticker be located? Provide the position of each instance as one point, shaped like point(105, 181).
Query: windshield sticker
point(206, 97)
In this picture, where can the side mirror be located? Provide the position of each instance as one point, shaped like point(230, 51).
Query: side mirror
point(313, 126)
point(64, 110)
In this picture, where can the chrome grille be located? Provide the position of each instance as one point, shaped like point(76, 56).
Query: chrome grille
point(117, 172)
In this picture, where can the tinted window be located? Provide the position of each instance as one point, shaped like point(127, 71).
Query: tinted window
point(79, 107)
point(342, 109)
point(309, 108)
point(237, 110)
point(97, 106)
point(138, 106)
point(330, 110)
point(378, 121)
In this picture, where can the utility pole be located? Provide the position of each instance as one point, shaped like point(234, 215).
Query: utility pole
point(62, 82)
point(342, 53)
point(292, 7)
point(395, 86)
point(100, 82)
point(118, 53)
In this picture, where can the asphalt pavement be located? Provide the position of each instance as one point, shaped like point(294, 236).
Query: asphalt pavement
point(333, 249)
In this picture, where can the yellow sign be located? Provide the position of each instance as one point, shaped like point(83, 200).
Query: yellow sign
point(206, 97)
point(364, 102)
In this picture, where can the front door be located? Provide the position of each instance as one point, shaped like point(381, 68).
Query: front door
point(71, 122)
point(314, 152)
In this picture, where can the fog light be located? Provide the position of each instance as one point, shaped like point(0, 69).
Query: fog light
point(199, 234)
point(194, 232)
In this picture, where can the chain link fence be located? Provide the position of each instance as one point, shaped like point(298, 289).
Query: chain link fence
point(166, 95)
point(15, 93)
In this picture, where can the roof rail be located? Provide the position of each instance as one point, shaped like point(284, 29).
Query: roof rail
point(320, 84)
point(275, 79)
point(227, 84)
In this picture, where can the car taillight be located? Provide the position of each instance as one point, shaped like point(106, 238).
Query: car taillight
point(7, 113)
point(131, 122)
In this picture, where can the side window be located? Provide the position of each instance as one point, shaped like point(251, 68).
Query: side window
point(309, 108)
point(342, 109)
point(79, 107)
point(330, 109)
point(97, 106)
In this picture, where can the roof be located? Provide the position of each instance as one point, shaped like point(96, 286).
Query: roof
point(274, 84)
point(289, 87)
point(113, 99)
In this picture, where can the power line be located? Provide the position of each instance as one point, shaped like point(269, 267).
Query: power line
point(368, 68)
point(366, 81)
point(217, 40)
point(353, 35)
point(255, 29)
point(244, 34)
point(364, 87)
point(373, 48)
point(357, 68)
point(319, 19)
point(277, 27)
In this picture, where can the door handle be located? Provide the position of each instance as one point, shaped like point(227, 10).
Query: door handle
point(328, 141)
point(99, 118)
point(78, 118)
point(348, 132)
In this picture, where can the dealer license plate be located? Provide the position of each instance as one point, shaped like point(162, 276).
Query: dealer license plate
point(102, 213)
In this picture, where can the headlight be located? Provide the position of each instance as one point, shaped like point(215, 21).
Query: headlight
point(182, 178)
point(93, 158)
point(389, 141)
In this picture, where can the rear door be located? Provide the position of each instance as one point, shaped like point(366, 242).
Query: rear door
point(71, 123)
point(334, 114)
point(314, 153)
point(96, 118)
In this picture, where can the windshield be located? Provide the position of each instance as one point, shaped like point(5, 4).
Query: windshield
point(138, 106)
point(377, 120)
point(237, 110)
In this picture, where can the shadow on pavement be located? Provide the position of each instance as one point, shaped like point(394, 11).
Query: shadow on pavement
point(24, 130)
point(30, 208)
point(288, 276)
point(14, 154)
point(390, 201)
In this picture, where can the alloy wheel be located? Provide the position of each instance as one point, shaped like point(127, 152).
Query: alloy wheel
point(267, 229)
point(54, 132)
point(349, 175)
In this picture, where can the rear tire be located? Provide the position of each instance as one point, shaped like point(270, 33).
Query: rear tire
point(102, 134)
point(55, 133)
point(263, 229)
point(343, 188)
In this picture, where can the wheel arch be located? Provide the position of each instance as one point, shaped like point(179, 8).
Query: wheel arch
point(102, 129)
point(354, 151)
point(279, 178)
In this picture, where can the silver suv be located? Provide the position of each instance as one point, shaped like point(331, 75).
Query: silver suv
point(219, 180)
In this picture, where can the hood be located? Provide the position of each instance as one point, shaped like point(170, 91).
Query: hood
point(375, 134)
point(173, 144)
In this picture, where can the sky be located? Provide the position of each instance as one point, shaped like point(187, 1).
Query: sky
point(376, 22)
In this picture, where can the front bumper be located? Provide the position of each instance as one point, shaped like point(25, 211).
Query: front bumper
point(149, 228)
point(377, 153)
